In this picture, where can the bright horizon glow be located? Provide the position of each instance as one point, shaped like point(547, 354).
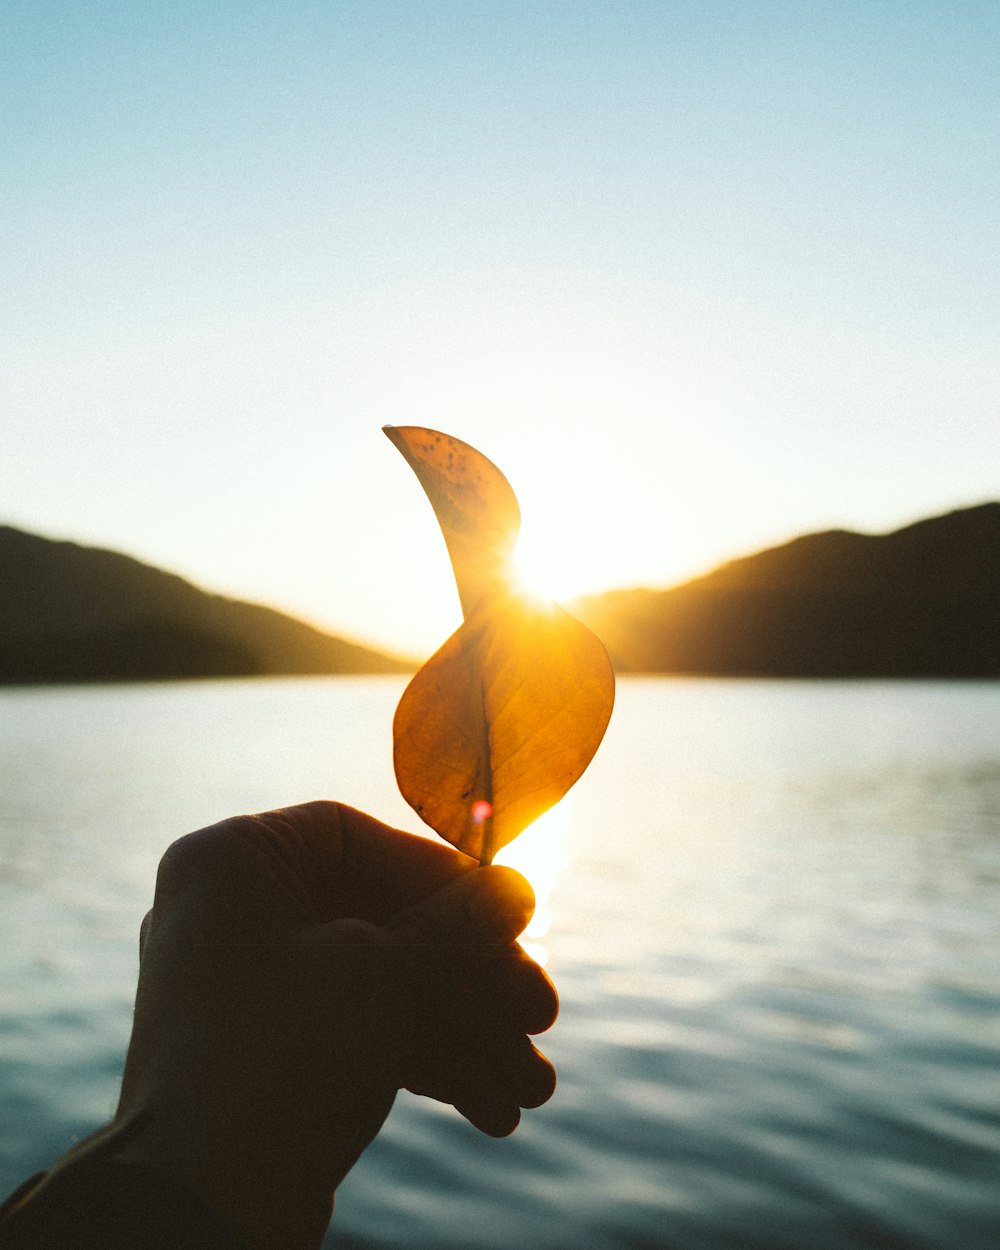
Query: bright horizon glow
point(698, 278)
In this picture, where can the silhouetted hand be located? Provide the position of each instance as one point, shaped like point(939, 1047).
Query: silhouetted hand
point(297, 969)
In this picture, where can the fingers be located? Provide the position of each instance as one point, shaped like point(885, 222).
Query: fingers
point(529, 1077)
point(474, 1057)
point(495, 1109)
point(525, 991)
point(144, 931)
point(496, 1118)
point(479, 995)
point(485, 907)
point(308, 864)
point(350, 863)
point(539, 1082)
point(467, 930)
point(405, 866)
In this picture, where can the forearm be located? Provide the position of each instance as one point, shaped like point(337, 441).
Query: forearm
point(102, 1194)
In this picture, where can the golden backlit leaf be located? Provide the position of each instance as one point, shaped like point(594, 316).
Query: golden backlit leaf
point(510, 710)
point(474, 505)
point(504, 718)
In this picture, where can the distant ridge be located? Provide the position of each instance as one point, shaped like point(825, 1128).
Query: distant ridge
point(70, 613)
point(923, 601)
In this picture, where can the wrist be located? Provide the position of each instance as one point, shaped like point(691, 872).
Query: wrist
point(97, 1194)
point(235, 1177)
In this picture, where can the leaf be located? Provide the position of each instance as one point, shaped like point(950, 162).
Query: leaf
point(474, 505)
point(506, 716)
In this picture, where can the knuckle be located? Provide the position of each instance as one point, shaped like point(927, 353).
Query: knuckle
point(192, 856)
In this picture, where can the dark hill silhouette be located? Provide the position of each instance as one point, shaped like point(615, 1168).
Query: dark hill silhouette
point(72, 613)
point(923, 601)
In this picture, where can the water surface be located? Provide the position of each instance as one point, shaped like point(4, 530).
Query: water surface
point(774, 928)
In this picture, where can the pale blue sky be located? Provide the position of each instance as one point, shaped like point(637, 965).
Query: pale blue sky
point(698, 276)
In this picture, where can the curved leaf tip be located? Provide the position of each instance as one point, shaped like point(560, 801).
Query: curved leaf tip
point(473, 502)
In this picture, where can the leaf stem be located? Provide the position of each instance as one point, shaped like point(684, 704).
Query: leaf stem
point(487, 850)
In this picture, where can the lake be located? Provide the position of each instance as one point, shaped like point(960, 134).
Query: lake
point(772, 910)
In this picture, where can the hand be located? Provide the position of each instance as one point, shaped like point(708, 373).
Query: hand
point(297, 969)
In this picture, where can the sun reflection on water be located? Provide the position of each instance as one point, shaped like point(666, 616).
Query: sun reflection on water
point(540, 854)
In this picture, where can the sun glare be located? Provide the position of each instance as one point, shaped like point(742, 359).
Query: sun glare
point(561, 558)
point(543, 571)
point(540, 854)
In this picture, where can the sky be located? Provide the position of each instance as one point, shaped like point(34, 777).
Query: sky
point(698, 277)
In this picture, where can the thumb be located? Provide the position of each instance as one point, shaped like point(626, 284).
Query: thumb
point(488, 905)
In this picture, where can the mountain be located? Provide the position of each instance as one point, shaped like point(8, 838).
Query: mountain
point(923, 601)
point(72, 613)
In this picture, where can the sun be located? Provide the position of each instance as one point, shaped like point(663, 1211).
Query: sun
point(536, 573)
point(550, 563)
point(571, 543)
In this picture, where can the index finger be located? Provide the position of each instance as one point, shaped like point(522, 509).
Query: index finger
point(361, 862)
